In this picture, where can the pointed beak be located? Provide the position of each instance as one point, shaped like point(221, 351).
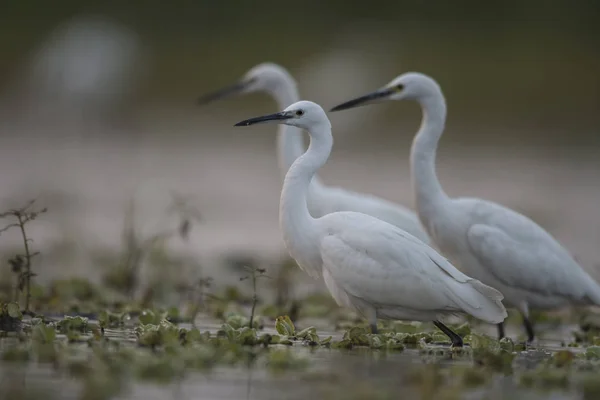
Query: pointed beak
point(277, 117)
point(225, 92)
point(370, 98)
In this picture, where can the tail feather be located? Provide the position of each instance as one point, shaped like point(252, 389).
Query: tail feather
point(593, 292)
point(481, 301)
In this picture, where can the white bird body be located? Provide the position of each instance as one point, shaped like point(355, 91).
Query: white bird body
point(322, 199)
point(368, 264)
point(511, 253)
point(489, 242)
point(374, 267)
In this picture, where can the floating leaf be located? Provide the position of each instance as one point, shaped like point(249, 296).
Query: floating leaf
point(147, 317)
point(275, 339)
point(285, 326)
point(43, 333)
point(68, 324)
point(507, 344)
point(14, 311)
point(326, 341)
point(592, 353)
point(247, 336)
point(285, 340)
point(237, 321)
point(306, 332)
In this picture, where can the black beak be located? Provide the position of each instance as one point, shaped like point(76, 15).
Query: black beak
point(364, 100)
point(225, 92)
point(280, 116)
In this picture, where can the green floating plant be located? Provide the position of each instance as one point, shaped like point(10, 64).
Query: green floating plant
point(164, 333)
point(488, 352)
point(69, 323)
point(10, 317)
point(73, 327)
point(592, 353)
point(237, 321)
point(285, 326)
point(108, 319)
point(361, 336)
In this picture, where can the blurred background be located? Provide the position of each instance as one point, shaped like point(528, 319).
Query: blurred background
point(98, 118)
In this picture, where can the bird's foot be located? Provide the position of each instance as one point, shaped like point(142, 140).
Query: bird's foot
point(454, 337)
point(457, 342)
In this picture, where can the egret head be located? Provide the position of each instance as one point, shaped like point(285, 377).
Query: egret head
point(303, 114)
point(408, 86)
point(265, 77)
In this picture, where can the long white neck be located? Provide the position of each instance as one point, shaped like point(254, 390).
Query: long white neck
point(290, 139)
point(297, 225)
point(429, 193)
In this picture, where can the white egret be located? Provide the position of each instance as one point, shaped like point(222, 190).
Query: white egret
point(368, 264)
point(322, 199)
point(488, 241)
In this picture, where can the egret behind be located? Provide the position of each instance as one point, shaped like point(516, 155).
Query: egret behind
point(488, 241)
point(322, 199)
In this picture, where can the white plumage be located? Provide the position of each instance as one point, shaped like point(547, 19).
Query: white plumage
point(322, 199)
point(368, 264)
point(489, 242)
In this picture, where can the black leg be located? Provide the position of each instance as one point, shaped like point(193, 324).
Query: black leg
point(529, 329)
point(373, 328)
point(500, 327)
point(456, 340)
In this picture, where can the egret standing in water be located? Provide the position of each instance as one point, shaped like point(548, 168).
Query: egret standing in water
point(368, 264)
point(491, 243)
point(322, 199)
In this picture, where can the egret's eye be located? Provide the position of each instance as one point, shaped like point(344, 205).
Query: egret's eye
point(399, 87)
point(299, 113)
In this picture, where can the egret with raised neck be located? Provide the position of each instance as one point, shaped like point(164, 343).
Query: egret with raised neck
point(369, 265)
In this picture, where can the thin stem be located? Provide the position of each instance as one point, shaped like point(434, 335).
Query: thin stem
point(254, 298)
point(17, 289)
point(7, 227)
point(22, 222)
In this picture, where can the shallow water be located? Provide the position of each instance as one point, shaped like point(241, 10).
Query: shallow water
point(359, 373)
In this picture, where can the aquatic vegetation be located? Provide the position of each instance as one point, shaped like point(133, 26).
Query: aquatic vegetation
point(592, 353)
point(589, 325)
point(362, 337)
point(487, 352)
point(10, 317)
point(108, 319)
point(69, 323)
point(161, 334)
point(21, 263)
point(254, 274)
point(285, 326)
point(237, 321)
